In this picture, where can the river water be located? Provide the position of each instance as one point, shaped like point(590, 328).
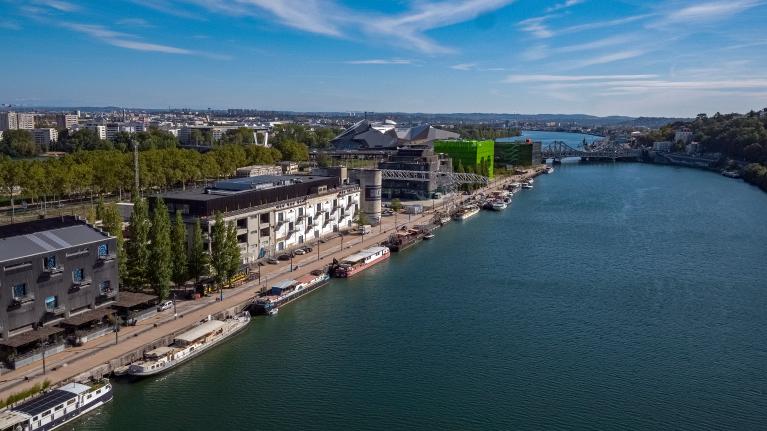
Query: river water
point(574, 140)
point(614, 296)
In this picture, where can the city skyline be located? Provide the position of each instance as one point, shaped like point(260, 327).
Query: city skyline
point(674, 58)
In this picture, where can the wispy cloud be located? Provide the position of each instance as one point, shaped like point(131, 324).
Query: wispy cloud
point(540, 28)
point(130, 41)
point(513, 79)
point(330, 18)
point(537, 27)
point(464, 66)
point(605, 58)
point(710, 11)
point(59, 5)
point(566, 4)
point(380, 61)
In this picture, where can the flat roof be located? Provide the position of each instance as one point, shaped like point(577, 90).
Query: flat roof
point(45, 402)
point(75, 388)
point(87, 316)
point(284, 283)
point(9, 418)
point(362, 254)
point(200, 331)
point(131, 299)
point(235, 186)
point(31, 336)
point(48, 241)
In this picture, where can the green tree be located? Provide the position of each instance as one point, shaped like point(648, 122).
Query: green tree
point(219, 255)
point(292, 150)
point(360, 218)
point(113, 223)
point(232, 253)
point(161, 263)
point(198, 258)
point(136, 249)
point(395, 205)
point(19, 143)
point(178, 239)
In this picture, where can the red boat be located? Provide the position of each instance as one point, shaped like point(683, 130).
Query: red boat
point(360, 261)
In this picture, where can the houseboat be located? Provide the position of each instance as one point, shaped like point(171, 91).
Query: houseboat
point(404, 239)
point(188, 345)
point(466, 212)
point(358, 262)
point(287, 291)
point(498, 205)
point(56, 407)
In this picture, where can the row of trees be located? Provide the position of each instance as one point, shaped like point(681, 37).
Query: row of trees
point(157, 252)
point(482, 131)
point(111, 171)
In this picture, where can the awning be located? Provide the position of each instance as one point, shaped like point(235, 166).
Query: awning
point(31, 337)
point(87, 317)
point(132, 299)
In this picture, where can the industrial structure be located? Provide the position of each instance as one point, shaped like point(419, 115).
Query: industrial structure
point(471, 155)
point(518, 153)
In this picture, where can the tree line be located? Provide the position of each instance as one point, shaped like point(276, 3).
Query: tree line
point(158, 253)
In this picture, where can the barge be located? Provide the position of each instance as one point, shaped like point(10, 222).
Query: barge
point(188, 345)
point(287, 291)
point(404, 239)
point(361, 261)
point(56, 407)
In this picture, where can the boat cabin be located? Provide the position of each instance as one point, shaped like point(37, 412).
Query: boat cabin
point(284, 287)
point(14, 421)
point(199, 333)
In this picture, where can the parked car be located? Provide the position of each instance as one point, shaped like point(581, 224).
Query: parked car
point(165, 305)
point(307, 248)
point(272, 260)
point(299, 252)
point(284, 256)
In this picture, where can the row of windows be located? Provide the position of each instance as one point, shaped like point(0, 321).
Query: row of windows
point(20, 291)
point(50, 262)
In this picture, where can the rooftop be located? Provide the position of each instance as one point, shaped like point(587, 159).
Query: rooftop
point(239, 185)
point(45, 236)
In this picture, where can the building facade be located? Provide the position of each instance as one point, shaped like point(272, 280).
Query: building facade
point(468, 153)
point(272, 214)
point(522, 153)
point(66, 121)
point(17, 120)
point(45, 137)
point(417, 158)
point(51, 269)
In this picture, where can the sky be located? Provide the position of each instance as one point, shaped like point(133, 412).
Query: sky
point(622, 57)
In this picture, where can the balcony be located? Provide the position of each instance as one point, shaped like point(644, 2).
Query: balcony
point(77, 285)
point(56, 270)
point(56, 311)
point(21, 302)
point(106, 258)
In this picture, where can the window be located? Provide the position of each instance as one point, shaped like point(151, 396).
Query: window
point(20, 290)
point(51, 303)
point(47, 413)
point(309, 221)
point(49, 262)
point(59, 407)
point(78, 275)
point(264, 232)
point(265, 218)
point(318, 207)
point(105, 287)
point(280, 217)
point(301, 212)
point(103, 250)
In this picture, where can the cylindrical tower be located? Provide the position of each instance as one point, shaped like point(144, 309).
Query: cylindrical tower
point(370, 196)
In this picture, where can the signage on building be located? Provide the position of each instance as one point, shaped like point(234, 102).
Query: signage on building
point(372, 193)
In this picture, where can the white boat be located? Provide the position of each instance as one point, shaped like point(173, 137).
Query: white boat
point(530, 181)
point(549, 169)
point(428, 236)
point(56, 407)
point(527, 186)
point(498, 206)
point(466, 213)
point(188, 345)
point(444, 220)
point(286, 291)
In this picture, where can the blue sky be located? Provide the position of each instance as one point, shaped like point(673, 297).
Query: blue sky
point(629, 57)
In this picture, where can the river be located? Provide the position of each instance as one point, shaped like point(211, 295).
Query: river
point(613, 296)
point(574, 140)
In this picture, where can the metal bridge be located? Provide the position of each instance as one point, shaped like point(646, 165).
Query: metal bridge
point(447, 177)
point(603, 150)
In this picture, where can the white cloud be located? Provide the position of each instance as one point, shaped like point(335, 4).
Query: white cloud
point(464, 66)
point(565, 5)
point(134, 22)
point(605, 58)
point(380, 61)
point(710, 11)
point(573, 78)
point(537, 27)
point(9, 25)
point(59, 5)
point(130, 41)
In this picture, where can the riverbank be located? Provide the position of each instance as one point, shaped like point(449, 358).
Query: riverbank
point(101, 356)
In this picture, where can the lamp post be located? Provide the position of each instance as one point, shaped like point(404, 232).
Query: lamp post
point(291, 262)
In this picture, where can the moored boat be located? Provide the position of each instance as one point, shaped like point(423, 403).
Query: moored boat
point(358, 262)
point(403, 239)
point(466, 212)
point(428, 236)
point(498, 206)
point(188, 345)
point(56, 407)
point(288, 291)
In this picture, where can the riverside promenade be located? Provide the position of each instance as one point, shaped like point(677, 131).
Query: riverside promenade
point(97, 356)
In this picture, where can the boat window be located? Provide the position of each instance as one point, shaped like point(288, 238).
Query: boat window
point(70, 402)
point(59, 407)
point(35, 418)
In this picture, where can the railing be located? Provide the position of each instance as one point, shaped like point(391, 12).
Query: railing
point(56, 270)
point(19, 302)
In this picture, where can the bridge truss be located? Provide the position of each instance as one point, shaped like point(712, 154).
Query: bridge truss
point(560, 150)
point(445, 177)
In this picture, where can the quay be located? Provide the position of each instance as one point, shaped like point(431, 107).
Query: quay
point(100, 357)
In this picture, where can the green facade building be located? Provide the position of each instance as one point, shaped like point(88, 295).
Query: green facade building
point(518, 153)
point(468, 153)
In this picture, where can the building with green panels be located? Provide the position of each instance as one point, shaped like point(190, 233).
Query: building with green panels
point(468, 153)
point(519, 153)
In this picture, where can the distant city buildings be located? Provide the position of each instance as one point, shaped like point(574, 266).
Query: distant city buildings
point(45, 137)
point(66, 121)
point(101, 131)
point(663, 146)
point(421, 159)
point(683, 135)
point(16, 121)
